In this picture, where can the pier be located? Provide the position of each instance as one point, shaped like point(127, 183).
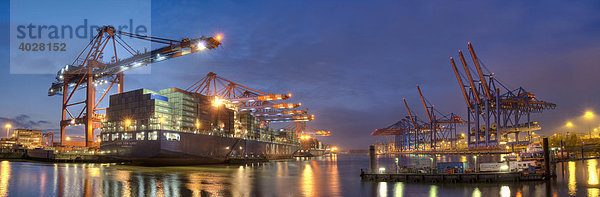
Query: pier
point(455, 152)
point(452, 178)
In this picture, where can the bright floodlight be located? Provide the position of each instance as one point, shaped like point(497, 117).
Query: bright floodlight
point(8, 126)
point(589, 114)
point(201, 46)
point(217, 102)
point(569, 124)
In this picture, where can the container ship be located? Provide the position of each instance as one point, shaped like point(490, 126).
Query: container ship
point(179, 127)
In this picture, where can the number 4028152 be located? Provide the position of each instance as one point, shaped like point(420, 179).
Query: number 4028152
point(24, 46)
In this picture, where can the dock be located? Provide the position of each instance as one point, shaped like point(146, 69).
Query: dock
point(75, 156)
point(455, 152)
point(452, 178)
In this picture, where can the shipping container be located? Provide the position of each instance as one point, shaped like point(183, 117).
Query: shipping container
point(521, 165)
point(493, 167)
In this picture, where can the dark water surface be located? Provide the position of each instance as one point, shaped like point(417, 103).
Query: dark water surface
point(335, 175)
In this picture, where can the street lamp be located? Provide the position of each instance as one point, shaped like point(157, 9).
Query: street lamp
point(569, 125)
point(7, 129)
point(589, 115)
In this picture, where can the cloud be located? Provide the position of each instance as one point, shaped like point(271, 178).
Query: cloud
point(23, 121)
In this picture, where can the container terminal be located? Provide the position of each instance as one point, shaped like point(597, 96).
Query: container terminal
point(499, 121)
point(215, 120)
point(499, 118)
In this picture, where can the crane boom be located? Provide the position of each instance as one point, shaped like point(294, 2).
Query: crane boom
point(266, 97)
point(460, 82)
point(104, 71)
point(281, 113)
point(424, 104)
point(473, 88)
point(409, 114)
point(296, 118)
point(88, 70)
point(271, 106)
point(488, 95)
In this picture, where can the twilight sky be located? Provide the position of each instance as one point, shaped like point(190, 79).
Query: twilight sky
point(352, 62)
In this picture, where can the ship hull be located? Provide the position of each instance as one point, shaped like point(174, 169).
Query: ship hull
point(193, 149)
point(310, 153)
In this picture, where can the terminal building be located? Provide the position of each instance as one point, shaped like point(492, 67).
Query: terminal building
point(29, 138)
point(23, 138)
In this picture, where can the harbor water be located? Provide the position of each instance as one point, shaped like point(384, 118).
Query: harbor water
point(333, 175)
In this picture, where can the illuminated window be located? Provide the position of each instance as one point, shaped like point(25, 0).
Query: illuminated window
point(153, 135)
point(106, 137)
point(115, 136)
point(126, 136)
point(172, 136)
point(140, 136)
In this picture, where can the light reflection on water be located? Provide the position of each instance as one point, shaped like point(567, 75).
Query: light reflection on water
point(433, 191)
point(505, 191)
point(4, 177)
point(335, 175)
point(592, 172)
point(307, 181)
point(399, 189)
point(572, 179)
point(382, 189)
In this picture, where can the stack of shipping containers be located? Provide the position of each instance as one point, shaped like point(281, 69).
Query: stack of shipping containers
point(178, 110)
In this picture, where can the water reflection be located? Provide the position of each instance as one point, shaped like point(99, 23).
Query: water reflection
point(241, 180)
point(593, 192)
point(433, 191)
point(335, 175)
point(399, 189)
point(592, 172)
point(4, 177)
point(505, 191)
point(334, 185)
point(194, 184)
point(572, 179)
point(382, 189)
point(476, 192)
point(307, 181)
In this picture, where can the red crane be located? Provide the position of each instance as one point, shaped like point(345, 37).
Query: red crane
point(88, 70)
point(268, 107)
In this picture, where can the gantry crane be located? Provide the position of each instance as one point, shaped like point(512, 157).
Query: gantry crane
point(89, 70)
point(494, 110)
point(442, 127)
point(306, 134)
point(305, 131)
point(402, 132)
point(267, 107)
point(408, 132)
